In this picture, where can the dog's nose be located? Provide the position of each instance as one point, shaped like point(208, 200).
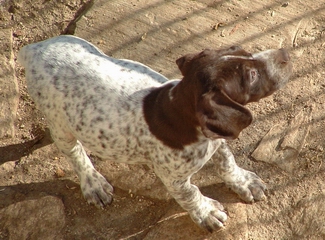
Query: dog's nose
point(283, 56)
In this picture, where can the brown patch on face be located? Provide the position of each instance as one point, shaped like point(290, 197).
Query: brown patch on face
point(222, 80)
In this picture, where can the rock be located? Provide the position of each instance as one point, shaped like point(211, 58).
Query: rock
point(59, 172)
point(8, 86)
point(282, 145)
point(297, 131)
point(41, 218)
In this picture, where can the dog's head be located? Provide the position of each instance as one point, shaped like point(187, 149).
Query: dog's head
point(225, 80)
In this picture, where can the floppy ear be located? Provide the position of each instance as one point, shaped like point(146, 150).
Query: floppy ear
point(183, 63)
point(221, 117)
point(180, 62)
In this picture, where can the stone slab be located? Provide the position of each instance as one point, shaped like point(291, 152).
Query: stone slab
point(41, 218)
point(282, 144)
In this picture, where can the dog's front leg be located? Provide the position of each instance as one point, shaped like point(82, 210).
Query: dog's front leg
point(246, 184)
point(204, 211)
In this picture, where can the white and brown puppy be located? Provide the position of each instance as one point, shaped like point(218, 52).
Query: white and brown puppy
point(126, 112)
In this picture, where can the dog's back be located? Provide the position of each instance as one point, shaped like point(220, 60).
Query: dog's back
point(93, 96)
point(64, 58)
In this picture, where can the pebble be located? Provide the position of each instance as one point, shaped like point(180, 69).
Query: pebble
point(286, 4)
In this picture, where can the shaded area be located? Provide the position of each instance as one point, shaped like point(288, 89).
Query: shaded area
point(15, 152)
point(70, 29)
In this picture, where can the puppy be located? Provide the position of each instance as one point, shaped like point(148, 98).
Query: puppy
point(124, 111)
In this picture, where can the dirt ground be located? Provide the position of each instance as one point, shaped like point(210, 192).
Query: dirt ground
point(39, 194)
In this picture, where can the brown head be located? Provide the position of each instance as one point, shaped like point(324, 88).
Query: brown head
point(212, 94)
point(226, 80)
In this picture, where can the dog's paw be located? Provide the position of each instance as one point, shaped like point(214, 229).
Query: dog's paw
point(210, 215)
point(249, 186)
point(96, 189)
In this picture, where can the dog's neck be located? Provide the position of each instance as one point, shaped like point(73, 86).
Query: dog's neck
point(170, 114)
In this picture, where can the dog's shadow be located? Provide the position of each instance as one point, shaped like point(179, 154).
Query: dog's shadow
point(123, 206)
point(15, 152)
point(31, 191)
point(125, 212)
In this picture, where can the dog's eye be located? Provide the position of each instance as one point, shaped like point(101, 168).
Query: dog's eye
point(254, 75)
